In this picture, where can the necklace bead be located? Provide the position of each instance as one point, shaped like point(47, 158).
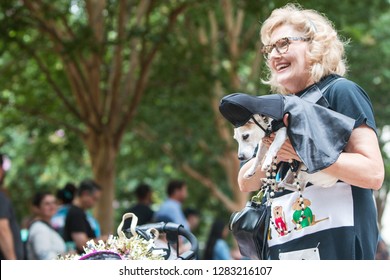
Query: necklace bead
point(269, 186)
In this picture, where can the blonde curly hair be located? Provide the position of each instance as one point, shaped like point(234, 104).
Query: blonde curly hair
point(326, 48)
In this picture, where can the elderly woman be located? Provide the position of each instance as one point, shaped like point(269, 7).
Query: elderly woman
point(302, 51)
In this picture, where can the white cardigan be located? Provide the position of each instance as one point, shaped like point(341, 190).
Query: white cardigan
point(44, 243)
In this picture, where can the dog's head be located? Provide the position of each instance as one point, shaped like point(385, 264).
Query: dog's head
point(299, 205)
point(249, 136)
point(278, 211)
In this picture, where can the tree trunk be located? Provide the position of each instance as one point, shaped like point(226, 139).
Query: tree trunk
point(103, 152)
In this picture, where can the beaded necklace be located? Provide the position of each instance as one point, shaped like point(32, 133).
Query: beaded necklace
point(269, 187)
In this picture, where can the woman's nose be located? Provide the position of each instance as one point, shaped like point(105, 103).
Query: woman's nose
point(273, 54)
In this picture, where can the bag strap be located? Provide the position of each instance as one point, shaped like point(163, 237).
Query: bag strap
point(315, 94)
point(331, 83)
point(258, 197)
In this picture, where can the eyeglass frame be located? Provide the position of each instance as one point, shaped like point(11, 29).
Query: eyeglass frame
point(274, 46)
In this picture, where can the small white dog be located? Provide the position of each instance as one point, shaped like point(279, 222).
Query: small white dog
point(250, 135)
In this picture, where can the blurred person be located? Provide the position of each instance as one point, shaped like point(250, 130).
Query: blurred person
point(382, 252)
point(77, 226)
point(171, 208)
point(44, 242)
point(95, 225)
point(141, 208)
point(64, 197)
point(193, 218)
point(216, 247)
point(11, 246)
point(24, 228)
point(162, 242)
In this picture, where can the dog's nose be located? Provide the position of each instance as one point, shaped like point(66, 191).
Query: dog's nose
point(241, 157)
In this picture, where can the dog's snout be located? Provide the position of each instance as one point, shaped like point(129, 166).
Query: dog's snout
point(241, 157)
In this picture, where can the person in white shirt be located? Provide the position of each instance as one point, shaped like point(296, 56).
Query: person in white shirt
point(44, 242)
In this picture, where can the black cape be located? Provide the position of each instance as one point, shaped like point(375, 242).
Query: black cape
point(318, 134)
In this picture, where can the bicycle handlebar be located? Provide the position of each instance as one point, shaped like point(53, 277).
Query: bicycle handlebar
point(175, 230)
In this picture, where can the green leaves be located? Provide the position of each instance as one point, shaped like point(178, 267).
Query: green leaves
point(175, 123)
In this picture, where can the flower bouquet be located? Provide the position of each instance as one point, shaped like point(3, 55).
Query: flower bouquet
point(140, 246)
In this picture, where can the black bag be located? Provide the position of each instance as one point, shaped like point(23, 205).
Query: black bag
point(250, 228)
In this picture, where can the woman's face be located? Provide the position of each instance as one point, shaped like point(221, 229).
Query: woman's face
point(48, 207)
point(291, 69)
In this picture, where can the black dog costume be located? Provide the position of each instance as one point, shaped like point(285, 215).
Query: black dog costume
point(317, 133)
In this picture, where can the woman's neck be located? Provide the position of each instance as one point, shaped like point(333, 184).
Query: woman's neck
point(43, 219)
point(78, 203)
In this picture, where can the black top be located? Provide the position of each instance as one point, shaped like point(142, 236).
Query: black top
point(143, 212)
point(76, 221)
point(344, 216)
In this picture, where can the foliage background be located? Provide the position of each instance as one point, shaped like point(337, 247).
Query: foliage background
point(175, 126)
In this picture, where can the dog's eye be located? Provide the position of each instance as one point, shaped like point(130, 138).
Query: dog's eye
point(245, 136)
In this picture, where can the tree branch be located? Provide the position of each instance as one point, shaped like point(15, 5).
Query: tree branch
point(56, 88)
point(229, 159)
point(208, 183)
point(75, 73)
point(48, 26)
point(94, 10)
point(50, 80)
point(249, 35)
point(28, 110)
point(95, 17)
point(142, 9)
point(144, 72)
point(205, 181)
point(116, 66)
point(233, 30)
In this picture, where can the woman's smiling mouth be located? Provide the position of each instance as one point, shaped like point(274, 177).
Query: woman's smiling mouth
point(281, 66)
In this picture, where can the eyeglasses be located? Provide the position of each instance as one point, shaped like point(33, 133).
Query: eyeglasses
point(281, 46)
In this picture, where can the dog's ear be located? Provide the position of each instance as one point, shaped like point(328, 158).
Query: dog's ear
point(296, 205)
point(258, 118)
point(306, 202)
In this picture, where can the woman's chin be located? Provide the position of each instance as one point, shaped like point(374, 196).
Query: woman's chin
point(284, 81)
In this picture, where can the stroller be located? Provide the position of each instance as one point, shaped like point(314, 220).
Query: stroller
point(148, 233)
